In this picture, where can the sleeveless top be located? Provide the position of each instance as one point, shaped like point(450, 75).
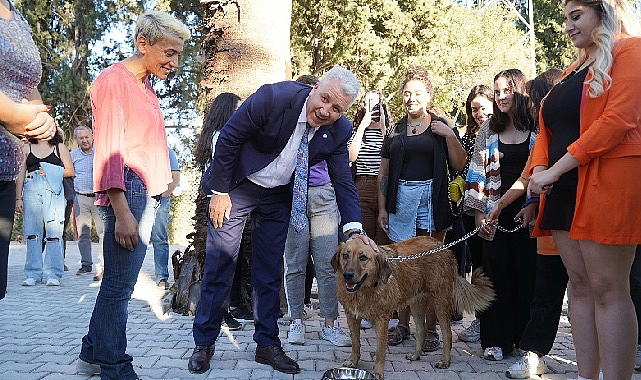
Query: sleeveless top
point(33, 162)
point(21, 71)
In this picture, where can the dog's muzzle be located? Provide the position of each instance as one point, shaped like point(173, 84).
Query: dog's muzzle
point(350, 285)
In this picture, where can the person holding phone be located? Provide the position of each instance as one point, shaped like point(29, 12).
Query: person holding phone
point(370, 128)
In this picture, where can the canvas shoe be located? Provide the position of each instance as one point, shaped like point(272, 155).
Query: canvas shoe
point(493, 353)
point(472, 333)
point(529, 364)
point(296, 332)
point(336, 335)
point(85, 368)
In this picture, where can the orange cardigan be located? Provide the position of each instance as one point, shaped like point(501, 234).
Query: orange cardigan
point(608, 201)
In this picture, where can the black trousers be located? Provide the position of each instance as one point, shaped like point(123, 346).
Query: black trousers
point(510, 262)
point(635, 287)
point(545, 311)
point(7, 210)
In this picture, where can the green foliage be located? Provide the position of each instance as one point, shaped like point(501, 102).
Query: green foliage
point(379, 40)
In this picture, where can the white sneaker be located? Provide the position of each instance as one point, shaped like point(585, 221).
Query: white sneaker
point(472, 333)
point(336, 335)
point(53, 282)
point(529, 364)
point(29, 282)
point(296, 332)
point(86, 368)
point(365, 324)
point(637, 364)
point(493, 353)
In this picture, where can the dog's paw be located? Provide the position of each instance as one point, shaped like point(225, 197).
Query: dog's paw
point(378, 374)
point(350, 363)
point(413, 356)
point(441, 364)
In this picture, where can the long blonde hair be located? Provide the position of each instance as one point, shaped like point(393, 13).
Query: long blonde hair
point(617, 18)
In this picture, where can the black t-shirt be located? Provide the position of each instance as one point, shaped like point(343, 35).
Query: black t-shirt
point(418, 162)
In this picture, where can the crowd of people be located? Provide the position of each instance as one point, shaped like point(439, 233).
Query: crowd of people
point(544, 164)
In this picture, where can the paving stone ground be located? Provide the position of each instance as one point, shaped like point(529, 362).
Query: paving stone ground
point(41, 328)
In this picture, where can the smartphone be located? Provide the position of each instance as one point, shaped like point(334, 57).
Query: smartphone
point(372, 101)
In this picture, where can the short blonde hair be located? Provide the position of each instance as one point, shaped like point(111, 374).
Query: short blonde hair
point(154, 25)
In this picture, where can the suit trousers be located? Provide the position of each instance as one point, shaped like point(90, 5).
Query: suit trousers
point(270, 209)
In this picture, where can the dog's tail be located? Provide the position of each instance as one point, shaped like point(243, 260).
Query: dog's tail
point(473, 297)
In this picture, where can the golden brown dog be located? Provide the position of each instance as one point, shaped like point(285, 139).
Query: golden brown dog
point(370, 287)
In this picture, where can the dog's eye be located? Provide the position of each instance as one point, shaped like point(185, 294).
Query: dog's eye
point(345, 256)
point(362, 258)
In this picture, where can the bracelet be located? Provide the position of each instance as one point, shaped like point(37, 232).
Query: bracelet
point(529, 201)
point(355, 232)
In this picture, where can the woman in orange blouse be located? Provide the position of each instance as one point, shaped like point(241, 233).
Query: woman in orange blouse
point(585, 161)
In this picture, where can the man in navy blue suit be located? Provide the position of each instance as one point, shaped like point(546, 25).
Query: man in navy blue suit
point(251, 173)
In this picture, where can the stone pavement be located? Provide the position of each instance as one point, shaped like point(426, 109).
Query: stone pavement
point(41, 328)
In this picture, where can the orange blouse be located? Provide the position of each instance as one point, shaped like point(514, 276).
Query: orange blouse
point(608, 203)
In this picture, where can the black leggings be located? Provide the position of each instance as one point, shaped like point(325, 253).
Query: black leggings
point(7, 210)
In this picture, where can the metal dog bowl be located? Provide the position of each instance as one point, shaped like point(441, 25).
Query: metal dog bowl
point(347, 374)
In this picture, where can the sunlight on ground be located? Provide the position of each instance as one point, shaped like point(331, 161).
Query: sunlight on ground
point(146, 290)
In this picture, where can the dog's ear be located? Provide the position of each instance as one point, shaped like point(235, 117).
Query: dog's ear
point(384, 269)
point(336, 259)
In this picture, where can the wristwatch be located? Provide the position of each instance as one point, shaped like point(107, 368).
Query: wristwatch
point(356, 232)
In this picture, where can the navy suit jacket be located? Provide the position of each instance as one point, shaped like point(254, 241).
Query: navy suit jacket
point(259, 130)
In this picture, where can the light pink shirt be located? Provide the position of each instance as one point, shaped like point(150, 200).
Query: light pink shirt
point(129, 130)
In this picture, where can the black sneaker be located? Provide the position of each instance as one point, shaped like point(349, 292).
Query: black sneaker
point(83, 270)
point(230, 322)
point(242, 315)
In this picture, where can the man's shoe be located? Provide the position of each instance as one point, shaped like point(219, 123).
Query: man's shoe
point(275, 357)
point(530, 364)
point(163, 284)
point(242, 315)
point(296, 332)
point(336, 335)
point(98, 277)
point(85, 269)
point(199, 360)
point(231, 323)
point(83, 367)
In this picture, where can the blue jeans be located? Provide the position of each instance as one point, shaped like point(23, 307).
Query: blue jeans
point(39, 224)
point(413, 210)
point(106, 341)
point(322, 240)
point(159, 239)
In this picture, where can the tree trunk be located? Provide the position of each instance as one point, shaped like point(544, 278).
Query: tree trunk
point(246, 44)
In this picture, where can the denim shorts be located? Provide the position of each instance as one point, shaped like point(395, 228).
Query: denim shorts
point(413, 210)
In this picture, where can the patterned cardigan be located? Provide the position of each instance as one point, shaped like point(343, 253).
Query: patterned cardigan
point(483, 182)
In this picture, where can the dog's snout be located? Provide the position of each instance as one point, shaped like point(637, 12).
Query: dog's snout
point(348, 276)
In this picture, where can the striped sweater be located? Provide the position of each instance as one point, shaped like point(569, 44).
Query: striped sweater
point(483, 182)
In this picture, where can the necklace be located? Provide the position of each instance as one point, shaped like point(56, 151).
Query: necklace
point(417, 125)
point(582, 66)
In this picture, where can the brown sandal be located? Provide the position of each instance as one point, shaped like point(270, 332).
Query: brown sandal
point(432, 341)
point(398, 335)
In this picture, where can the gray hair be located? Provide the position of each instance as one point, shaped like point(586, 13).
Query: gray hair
point(154, 25)
point(349, 83)
point(81, 127)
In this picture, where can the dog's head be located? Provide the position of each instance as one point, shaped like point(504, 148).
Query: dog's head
point(359, 265)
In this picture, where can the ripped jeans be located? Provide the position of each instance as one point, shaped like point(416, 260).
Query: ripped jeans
point(43, 222)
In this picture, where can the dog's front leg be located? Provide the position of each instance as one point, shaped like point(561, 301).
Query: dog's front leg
point(381, 346)
point(355, 333)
